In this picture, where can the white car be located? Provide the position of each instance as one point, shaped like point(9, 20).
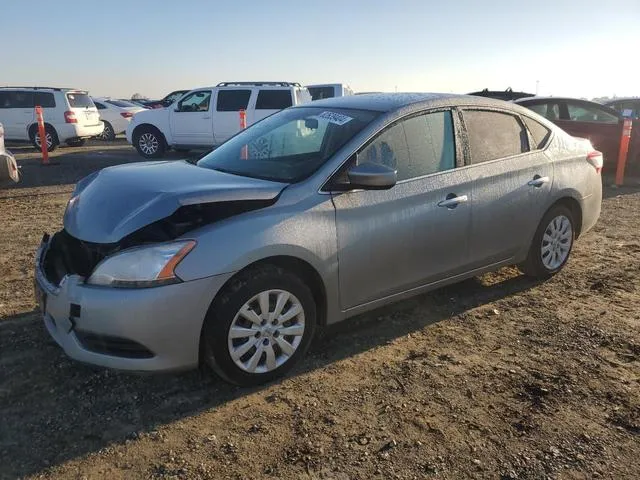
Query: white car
point(206, 117)
point(70, 116)
point(9, 172)
point(115, 114)
point(329, 90)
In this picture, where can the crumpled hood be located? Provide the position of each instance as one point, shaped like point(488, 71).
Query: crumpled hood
point(110, 204)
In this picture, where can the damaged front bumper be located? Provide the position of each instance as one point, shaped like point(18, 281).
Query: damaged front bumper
point(146, 329)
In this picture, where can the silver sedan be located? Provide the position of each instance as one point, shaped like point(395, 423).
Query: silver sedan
point(311, 216)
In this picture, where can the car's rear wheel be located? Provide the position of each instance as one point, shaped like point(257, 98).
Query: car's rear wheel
point(50, 135)
point(149, 142)
point(259, 326)
point(552, 243)
point(108, 134)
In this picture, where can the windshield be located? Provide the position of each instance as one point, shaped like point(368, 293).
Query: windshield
point(289, 145)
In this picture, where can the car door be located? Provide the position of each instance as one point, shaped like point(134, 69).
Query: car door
point(18, 114)
point(226, 117)
point(191, 119)
point(415, 233)
point(601, 126)
point(511, 183)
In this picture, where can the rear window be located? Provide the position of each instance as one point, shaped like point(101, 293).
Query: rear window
point(45, 100)
point(318, 93)
point(79, 100)
point(494, 135)
point(233, 100)
point(539, 132)
point(120, 103)
point(273, 99)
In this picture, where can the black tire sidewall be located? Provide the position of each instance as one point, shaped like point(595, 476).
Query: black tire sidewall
point(224, 309)
point(112, 134)
point(161, 145)
point(534, 261)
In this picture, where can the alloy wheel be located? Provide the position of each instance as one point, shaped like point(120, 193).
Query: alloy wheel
point(556, 242)
point(148, 143)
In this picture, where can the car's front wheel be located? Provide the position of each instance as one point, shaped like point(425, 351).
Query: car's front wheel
point(149, 142)
point(259, 326)
point(552, 243)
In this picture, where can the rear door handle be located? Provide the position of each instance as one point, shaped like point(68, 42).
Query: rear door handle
point(453, 202)
point(538, 181)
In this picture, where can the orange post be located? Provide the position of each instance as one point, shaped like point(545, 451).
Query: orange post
point(43, 136)
point(624, 150)
point(244, 153)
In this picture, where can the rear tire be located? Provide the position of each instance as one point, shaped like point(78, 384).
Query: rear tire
point(149, 142)
point(552, 244)
point(51, 136)
point(270, 344)
point(108, 134)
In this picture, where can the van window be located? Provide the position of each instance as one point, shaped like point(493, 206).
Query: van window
point(273, 99)
point(494, 135)
point(45, 99)
point(18, 99)
point(5, 99)
point(233, 100)
point(79, 100)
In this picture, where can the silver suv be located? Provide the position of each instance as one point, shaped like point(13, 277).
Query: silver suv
point(312, 215)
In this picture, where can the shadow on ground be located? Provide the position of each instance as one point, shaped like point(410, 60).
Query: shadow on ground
point(54, 409)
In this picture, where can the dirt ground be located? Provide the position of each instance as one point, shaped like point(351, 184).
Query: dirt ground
point(496, 377)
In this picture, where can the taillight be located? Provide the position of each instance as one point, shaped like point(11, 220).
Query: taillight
point(70, 117)
point(595, 159)
point(126, 114)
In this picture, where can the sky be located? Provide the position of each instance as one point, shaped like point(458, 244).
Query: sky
point(578, 48)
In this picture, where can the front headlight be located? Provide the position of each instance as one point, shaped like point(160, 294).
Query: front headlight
point(142, 267)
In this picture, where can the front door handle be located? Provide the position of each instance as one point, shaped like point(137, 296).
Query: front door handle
point(453, 201)
point(538, 181)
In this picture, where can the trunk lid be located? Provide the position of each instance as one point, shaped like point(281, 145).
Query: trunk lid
point(82, 106)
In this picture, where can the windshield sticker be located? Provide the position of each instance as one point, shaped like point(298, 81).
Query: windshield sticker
point(333, 117)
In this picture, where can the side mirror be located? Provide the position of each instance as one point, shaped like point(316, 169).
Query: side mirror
point(372, 176)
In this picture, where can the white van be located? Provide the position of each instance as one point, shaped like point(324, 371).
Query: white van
point(206, 117)
point(70, 116)
point(329, 90)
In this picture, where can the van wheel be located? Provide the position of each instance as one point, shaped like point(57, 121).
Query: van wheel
point(50, 135)
point(149, 142)
point(552, 244)
point(259, 326)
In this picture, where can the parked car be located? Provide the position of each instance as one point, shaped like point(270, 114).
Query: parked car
point(581, 118)
point(135, 101)
point(206, 117)
point(9, 173)
point(506, 95)
point(165, 101)
point(329, 90)
point(630, 106)
point(70, 116)
point(315, 214)
point(116, 115)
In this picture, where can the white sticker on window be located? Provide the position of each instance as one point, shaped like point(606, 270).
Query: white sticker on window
point(333, 117)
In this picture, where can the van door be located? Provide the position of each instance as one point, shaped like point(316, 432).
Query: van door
point(17, 115)
point(226, 119)
point(191, 120)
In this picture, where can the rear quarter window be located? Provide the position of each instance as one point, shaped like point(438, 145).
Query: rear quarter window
point(539, 133)
point(273, 99)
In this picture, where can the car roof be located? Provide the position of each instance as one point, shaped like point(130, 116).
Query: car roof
point(386, 102)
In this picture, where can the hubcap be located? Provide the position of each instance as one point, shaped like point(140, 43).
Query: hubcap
point(556, 242)
point(148, 143)
point(266, 331)
point(47, 136)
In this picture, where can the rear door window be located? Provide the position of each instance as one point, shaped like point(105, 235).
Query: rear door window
point(45, 99)
point(21, 99)
point(539, 132)
point(494, 135)
point(79, 100)
point(233, 100)
point(273, 99)
point(587, 113)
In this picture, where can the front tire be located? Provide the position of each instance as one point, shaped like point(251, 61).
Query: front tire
point(149, 142)
point(50, 135)
point(552, 244)
point(259, 326)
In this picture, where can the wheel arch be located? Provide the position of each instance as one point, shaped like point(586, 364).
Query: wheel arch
point(574, 207)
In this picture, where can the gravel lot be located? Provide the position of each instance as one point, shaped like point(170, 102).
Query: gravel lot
point(496, 377)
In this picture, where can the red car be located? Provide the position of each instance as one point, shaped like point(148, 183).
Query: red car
point(581, 118)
